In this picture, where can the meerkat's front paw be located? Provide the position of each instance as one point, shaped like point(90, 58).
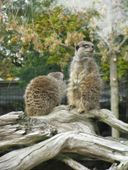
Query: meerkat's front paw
point(70, 107)
point(81, 111)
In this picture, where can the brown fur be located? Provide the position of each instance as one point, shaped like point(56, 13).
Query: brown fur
point(84, 82)
point(43, 93)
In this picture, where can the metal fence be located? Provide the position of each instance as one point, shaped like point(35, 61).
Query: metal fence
point(11, 96)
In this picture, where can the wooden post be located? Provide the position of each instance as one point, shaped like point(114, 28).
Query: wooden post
point(114, 90)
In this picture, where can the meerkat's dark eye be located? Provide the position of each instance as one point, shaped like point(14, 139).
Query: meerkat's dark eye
point(77, 47)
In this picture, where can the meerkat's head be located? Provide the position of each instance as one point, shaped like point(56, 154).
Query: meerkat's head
point(84, 49)
point(57, 75)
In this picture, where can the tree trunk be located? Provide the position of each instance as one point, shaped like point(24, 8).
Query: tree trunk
point(25, 142)
point(113, 66)
point(114, 90)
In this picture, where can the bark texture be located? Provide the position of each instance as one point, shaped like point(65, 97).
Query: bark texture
point(25, 142)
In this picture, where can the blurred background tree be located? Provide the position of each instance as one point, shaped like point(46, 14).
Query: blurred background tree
point(114, 50)
point(38, 37)
point(47, 33)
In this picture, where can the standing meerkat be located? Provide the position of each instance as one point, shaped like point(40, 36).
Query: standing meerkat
point(43, 93)
point(84, 82)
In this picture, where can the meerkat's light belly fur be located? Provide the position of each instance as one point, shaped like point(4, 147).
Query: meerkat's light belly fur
point(84, 89)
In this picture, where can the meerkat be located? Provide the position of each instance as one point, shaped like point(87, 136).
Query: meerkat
point(43, 93)
point(84, 86)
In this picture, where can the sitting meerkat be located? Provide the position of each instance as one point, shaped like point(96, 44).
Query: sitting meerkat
point(43, 93)
point(84, 86)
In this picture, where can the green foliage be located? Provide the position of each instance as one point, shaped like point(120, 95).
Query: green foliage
point(43, 38)
point(122, 68)
point(122, 63)
point(125, 3)
point(35, 64)
point(38, 37)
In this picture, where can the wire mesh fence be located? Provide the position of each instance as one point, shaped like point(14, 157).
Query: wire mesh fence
point(11, 96)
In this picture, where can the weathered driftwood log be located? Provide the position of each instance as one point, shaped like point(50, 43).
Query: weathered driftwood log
point(26, 142)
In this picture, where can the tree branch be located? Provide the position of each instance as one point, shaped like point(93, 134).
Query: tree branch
point(84, 144)
point(61, 131)
point(108, 117)
point(122, 43)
